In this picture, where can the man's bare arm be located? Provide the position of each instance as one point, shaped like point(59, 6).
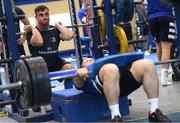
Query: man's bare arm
point(25, 21)
point(66, 33)
point(36, 39)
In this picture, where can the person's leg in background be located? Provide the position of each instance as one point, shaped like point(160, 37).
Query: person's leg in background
point(161, 29)
point(166, 48)
point(143, 35)
point(166, 37)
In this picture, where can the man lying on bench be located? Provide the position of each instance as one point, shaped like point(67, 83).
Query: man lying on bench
point(114, 81)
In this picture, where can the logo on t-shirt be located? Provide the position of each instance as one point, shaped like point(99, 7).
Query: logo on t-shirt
point(49, 48)
point(53, 39)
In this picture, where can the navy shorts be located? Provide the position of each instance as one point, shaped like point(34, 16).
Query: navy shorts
point(163, 29)
point(127, 84)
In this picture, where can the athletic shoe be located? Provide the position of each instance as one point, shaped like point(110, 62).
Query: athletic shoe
point(117, 118)
point(158, 116)
point(166, 78)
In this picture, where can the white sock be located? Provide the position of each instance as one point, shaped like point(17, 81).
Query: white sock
point(163, 76)
point(153, 103)
point(163, 72)
point(114, 110)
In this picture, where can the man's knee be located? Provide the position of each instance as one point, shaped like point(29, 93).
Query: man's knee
point(143, 65)
point(148, 64)
point(110, 70)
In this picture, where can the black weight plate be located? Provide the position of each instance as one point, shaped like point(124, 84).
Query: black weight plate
point(21, 73)
point(175, 65)
point(45, 88)
point(43, 82)
point(33, 75)
point(42, 89)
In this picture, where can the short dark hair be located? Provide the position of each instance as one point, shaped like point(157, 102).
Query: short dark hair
point(40, 8)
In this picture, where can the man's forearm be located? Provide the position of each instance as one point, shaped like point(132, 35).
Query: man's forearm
point(36, 39)
point(66, 34)
point(25, 21)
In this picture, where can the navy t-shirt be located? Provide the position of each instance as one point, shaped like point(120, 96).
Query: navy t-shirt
point(158, 9)
point(49, 50)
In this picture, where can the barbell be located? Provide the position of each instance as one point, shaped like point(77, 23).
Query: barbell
point(32, 84)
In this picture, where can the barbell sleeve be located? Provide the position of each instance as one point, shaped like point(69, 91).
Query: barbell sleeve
point(6, 60)
point(7, 102)
point(11, 86)
point(80, 25)
point(137, 41)
point(98, 7)
point(166, 62)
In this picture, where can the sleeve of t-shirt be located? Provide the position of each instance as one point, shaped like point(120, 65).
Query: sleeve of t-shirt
point(19, 11)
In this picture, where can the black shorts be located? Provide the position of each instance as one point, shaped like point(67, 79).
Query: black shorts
point(142, 29)
point(57, 65)
point(163, 29)
point(127, 83)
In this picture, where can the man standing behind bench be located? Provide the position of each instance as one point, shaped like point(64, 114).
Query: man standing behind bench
point(44, 39)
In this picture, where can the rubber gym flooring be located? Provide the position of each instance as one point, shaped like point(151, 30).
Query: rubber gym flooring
point(168, 102)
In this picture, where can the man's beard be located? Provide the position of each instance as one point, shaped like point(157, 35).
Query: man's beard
point(44, 22)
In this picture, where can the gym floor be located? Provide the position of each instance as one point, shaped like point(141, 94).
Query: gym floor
point(168, 100)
